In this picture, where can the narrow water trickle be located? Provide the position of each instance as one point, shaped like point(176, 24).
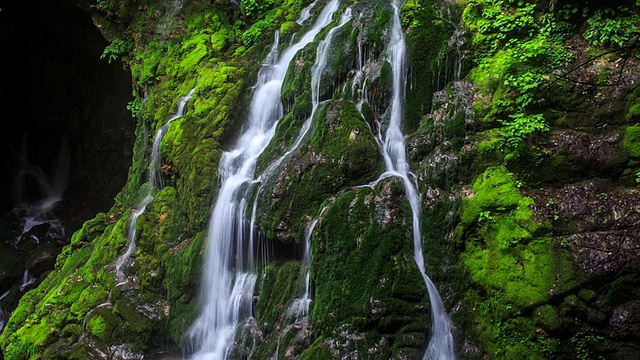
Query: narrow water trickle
point(229, 272)
point(299, 308)
point(2, 313)
point(322, 54)
point(306, 13)
point(155, 184)
point(394, 152)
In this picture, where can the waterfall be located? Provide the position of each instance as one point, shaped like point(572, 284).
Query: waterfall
point(393, 149)
point(306, 13)
point(36, 193)
point(155, 179)
point(322, 53)
point(2, 314)
point(229, 270)
point(300, 306)
point(27, 280)
point(155, 183)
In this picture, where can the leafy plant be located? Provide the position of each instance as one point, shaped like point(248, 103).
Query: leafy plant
point(520, 128)
point(135, 106)
point(605, 30)
point(584, 343)
point(255, 8)
point(116, 49)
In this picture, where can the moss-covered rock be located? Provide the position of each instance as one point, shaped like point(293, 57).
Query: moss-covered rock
point(340, 153)
point(368, 290)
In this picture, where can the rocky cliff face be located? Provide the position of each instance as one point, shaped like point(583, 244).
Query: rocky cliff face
point(521, 136)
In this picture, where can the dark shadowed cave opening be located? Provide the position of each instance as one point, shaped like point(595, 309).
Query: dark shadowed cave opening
point(66, 131)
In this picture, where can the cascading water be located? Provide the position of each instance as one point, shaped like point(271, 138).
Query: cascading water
point(156, 180)
point(393, 149)
point(2, 314)
point(121, 277)
point(36, 193)
point(229, 270)
point(306, 13)
point(155, 183)
point(299, 308)
point(27, 280)
point(322, 53)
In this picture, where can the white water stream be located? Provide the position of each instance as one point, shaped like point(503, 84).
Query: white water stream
point(306, 13)
point(155, 183)
point(36, 193)
point(393, 149)
point(2, 314)
point(229, 270)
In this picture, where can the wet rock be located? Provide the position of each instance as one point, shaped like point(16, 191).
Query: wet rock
point(625, 321)
point(42, 259)
point(604, 252)
point(573, 155)
point(437, 145)
point(597, 223)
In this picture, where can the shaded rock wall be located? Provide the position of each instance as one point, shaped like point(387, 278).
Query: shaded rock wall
point(69, 135)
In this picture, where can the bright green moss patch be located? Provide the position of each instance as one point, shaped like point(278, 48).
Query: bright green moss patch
point(90, 297)
point(634, 111)
point(631, 140)
point(96, 326)
point(496, 194)
point(514, 262)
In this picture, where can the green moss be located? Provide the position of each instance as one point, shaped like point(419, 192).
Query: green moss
point(364, 273)
point(181, 270)
point(513, 259)
point(547, 318)
point(96, 326)
point(90, 297)
point(318, 350)
point(631, 141)
point(288, 28)
point(279, 286)
point(341, 152)
point(22, 350)
point(634, 111)
point(495, 190)
point(426, 46)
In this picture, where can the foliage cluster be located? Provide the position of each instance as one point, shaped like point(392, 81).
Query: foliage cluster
point(117, 48)
point(609, 27)
point(517, 49)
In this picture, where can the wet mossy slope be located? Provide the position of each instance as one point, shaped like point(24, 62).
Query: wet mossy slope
point(522, 134)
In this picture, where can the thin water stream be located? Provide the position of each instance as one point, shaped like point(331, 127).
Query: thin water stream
point(394, 152)
point(155, 184)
